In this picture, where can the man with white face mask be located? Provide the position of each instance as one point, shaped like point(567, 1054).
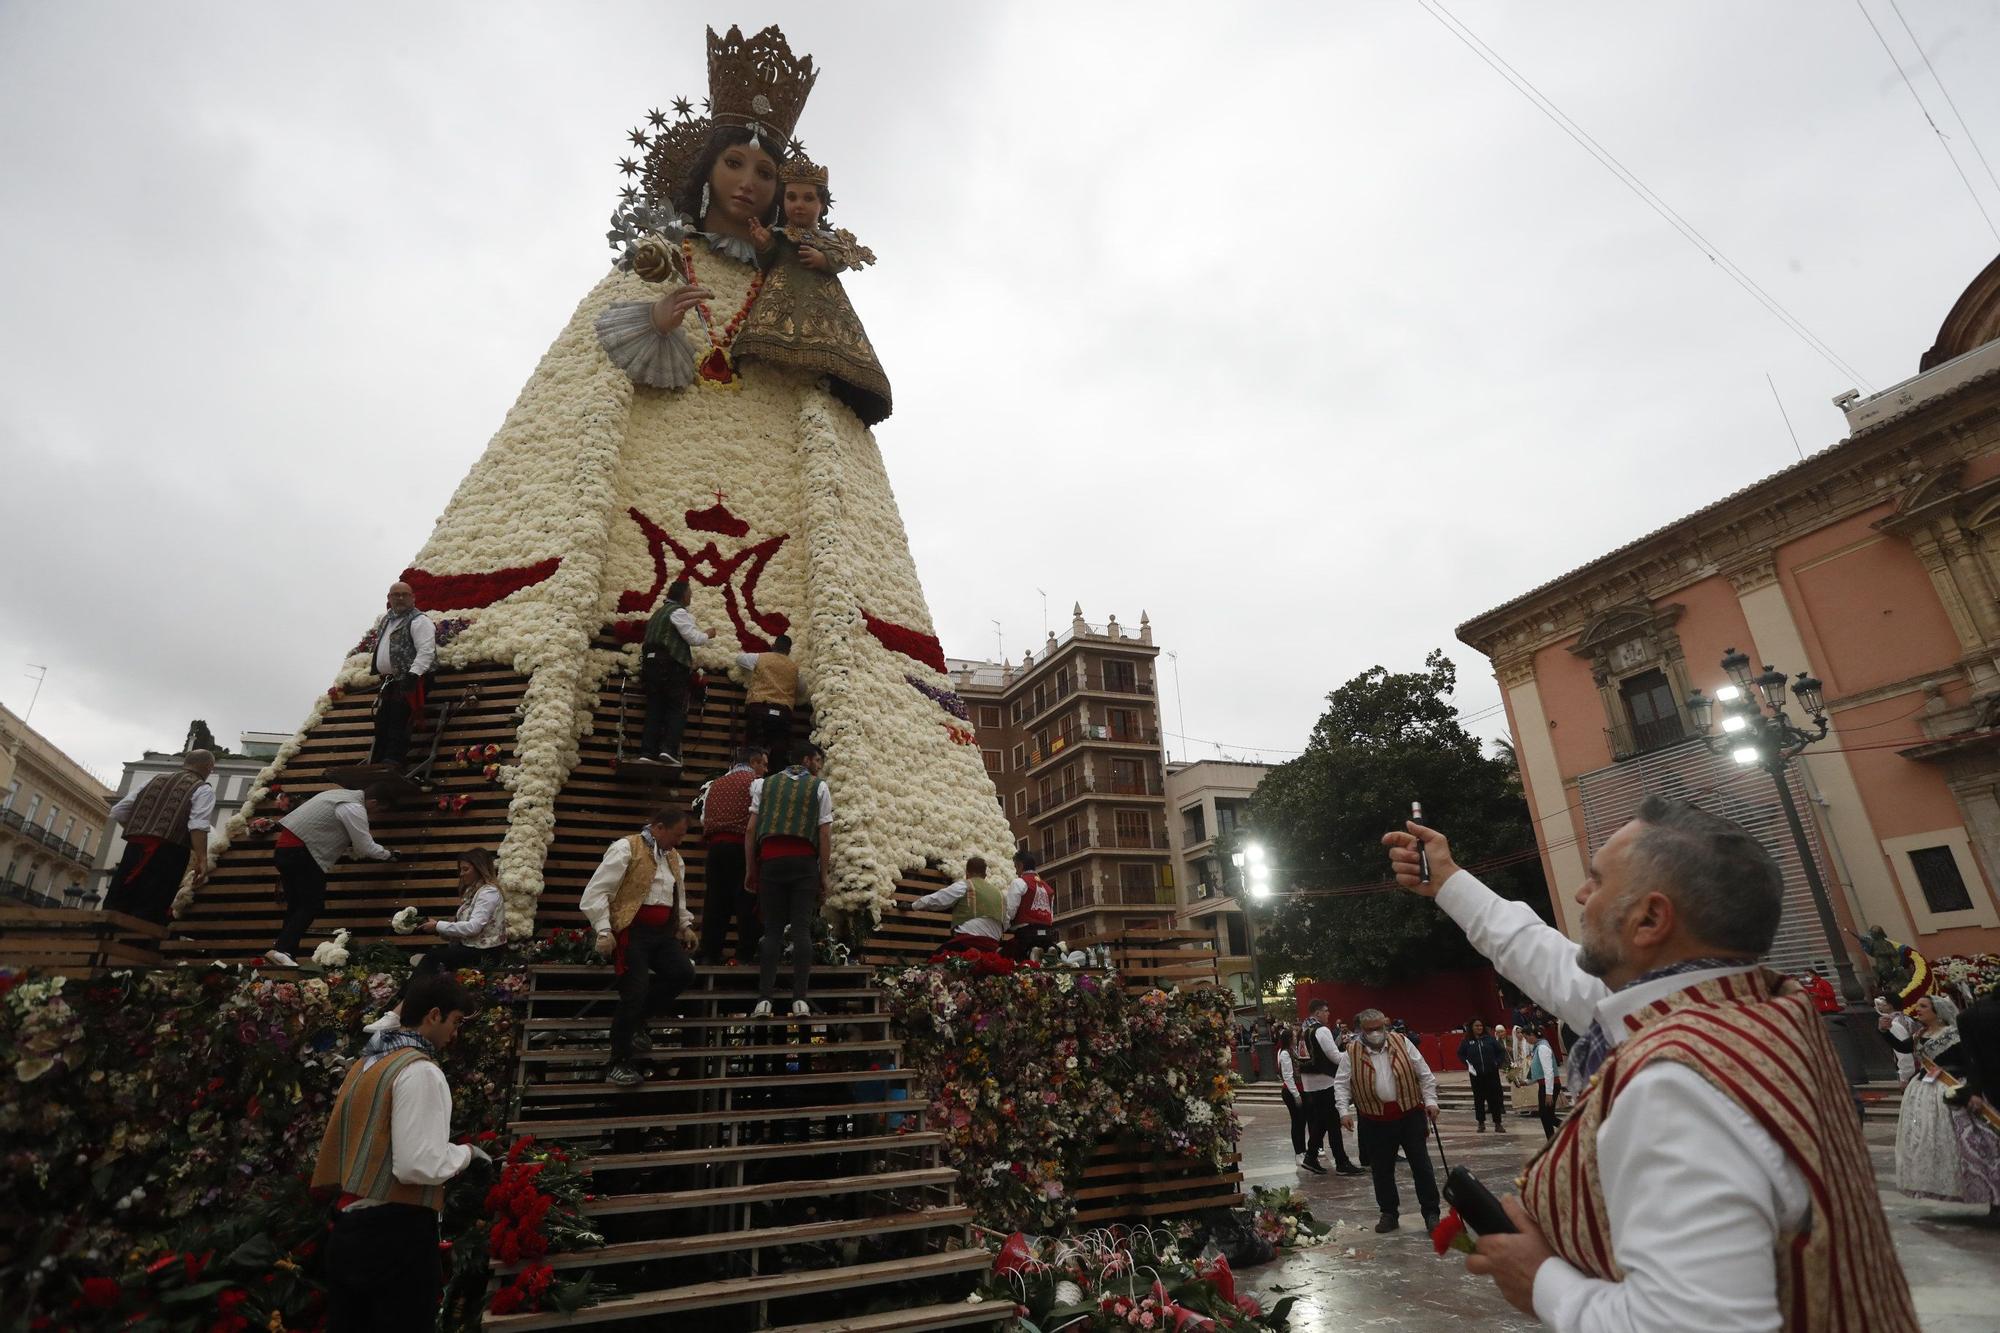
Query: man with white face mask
point(1712, 1175)
point(1387, 1087)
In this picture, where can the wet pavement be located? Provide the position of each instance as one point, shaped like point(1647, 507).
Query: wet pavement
point(1357, 1280)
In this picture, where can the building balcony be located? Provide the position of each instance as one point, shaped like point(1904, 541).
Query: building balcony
point(1068, 792)
point(1630, 740)
point(1148, 737)
point(11, 818)
point(1054, 851)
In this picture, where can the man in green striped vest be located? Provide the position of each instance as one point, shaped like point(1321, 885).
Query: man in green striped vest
point(791, 824)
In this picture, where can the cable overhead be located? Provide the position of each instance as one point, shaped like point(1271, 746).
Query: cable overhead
point(1939, 81)
point(1943, 142)
point(1630, 180)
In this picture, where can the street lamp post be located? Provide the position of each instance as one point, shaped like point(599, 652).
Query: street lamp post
point(1757, 732)
point(1253, 877)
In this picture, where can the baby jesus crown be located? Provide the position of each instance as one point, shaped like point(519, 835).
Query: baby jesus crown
point(802, 170)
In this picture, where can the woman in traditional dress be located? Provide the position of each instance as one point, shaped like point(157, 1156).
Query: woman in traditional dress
point(1928, 1162)
point(640, 451)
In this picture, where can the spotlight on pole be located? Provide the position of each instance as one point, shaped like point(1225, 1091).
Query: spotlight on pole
point(1747, 755)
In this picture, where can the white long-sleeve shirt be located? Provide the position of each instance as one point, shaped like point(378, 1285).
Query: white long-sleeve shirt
point(682, 619)
point(201, 805)
point(420, 1148)
point(983, 926)
point(1288, 1072)
point(479, 923)
point(1543, 1057)
point(825, 801)
point(1312, 1080)
point(423, 637)
point(1382, 1069)
point(1698, 1195)
point(664, 891)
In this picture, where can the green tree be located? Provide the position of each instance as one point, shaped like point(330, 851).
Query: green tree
point(1385, 740)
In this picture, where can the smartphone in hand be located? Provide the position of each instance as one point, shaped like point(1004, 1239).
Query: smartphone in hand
point(1475, 1203)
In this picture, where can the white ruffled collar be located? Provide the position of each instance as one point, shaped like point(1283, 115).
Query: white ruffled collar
point(731, 247)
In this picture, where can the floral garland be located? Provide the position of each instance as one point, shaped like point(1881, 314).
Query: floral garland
point(1029, 1071)
point(911, 643)
point(536, 1207)
point(1121, 1280)
point(717, 367)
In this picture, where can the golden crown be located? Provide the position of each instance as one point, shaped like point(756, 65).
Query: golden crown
point(753, 81)
point(802, 170)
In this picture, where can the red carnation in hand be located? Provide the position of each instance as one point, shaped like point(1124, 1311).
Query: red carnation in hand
point(1450, 1234)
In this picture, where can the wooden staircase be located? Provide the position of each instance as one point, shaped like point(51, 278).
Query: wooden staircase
point(771, 1174)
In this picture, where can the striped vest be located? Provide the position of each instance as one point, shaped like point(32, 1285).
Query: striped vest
point(1361, 1077)
point(983, 898)
point(355, 1154)
point(317, 824)
point(161, 808)
point(788, 806)
point(725, 809)
point(1757, 1039)
point(775, 681)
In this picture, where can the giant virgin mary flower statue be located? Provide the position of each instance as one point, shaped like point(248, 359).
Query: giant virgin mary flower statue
point(705, 415)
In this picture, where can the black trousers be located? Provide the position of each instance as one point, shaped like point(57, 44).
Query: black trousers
point(665, 682)
point(656, 972)
point(302, 884)
point(451, 955)
point(1026, 939)
point(1488, 1097)
point(1323, 1123)
point(148, 893)
point(1381, 1141)
point(382, 1270)
point(1545, 1107)
point(392, 720)
point(788, 893)
point(769, 727)
point(727, 900)
point(1298, 1112)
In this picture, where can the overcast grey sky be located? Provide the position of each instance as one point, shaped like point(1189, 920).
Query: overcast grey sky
point(1292, 325)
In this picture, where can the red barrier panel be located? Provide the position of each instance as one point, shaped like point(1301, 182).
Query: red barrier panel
point(1434, 1007)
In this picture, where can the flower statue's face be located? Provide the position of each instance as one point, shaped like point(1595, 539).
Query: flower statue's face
point(802, 205)
point(743, 184)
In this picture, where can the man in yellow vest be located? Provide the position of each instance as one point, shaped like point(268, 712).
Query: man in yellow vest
point(388, 1153)
point(791, 825)
point(636, 901)
point(772, 693)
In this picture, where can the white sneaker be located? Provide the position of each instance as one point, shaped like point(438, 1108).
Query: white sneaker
point(388, 1022)
point(800, 1009)
point(276, 959)
point(763, 1009)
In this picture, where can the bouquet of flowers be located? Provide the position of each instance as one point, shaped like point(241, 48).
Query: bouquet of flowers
point(332, 953)
point(405, 921)
point(1122, 1280)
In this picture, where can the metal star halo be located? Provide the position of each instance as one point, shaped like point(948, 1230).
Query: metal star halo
point(638, 138)
point(683, 108)
point(628, 166)
point(656, 119)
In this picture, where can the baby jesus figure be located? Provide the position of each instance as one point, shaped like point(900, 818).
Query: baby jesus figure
point(802, 317)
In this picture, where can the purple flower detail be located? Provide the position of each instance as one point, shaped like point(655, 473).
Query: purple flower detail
point(945, 699)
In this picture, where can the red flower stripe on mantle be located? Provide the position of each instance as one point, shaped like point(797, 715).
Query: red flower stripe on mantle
point(913, 644)
point(469, 592)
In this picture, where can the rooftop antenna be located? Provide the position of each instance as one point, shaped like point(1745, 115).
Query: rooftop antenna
point(1179, 709)
point(999, 650)
point(38, 691)
point(1045, 611)
point(1786, 415)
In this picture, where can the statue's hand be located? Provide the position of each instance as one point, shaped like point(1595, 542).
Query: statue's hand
point(652, 259)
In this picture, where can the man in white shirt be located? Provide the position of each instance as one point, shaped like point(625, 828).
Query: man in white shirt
point(769, 698)
point(1707, 1220)
point(387, 1158)
point(1388, 1096)
point(165, 822)
point(311, 838)
point(405, 657)
point(1321, 1059)
point(666, 673)
point(636, 901)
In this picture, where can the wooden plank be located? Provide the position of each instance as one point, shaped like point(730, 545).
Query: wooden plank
point(715, 1242)
point(764, 1191)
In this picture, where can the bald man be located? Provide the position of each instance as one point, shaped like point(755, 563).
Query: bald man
point(405, 653)
point(165, 821)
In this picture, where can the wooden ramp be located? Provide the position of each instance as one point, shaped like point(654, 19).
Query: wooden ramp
point(64, 941)
point(766, 1175)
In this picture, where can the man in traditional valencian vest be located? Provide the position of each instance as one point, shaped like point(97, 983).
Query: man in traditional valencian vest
point(387, 1153)
point(1712, 1175)
point(311, 838)
point(166, 825)
point(405, 656)
point(636, 901)
point(1387, 1095)
point(666, 673)
point(791, 823)
point(1031, 910)
point(980, 910)
point(772, 694)
point(725, 817)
